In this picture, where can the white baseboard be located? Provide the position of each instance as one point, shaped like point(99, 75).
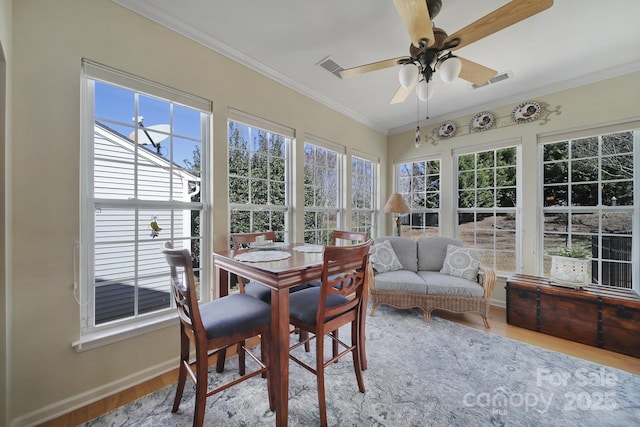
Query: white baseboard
point(498, 303)
point(65, 406)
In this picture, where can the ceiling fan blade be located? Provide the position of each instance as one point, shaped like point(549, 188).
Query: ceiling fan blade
point(403, 92)
point(415, 15)
point(499, 19)
point(475, 73)
point(367, 68)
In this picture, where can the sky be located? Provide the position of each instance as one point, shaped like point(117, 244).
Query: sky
point(177, 128)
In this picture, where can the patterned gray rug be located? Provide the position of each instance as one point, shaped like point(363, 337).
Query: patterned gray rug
point(420, 374)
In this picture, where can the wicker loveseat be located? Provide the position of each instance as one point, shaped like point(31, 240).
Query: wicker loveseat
point(417, 280)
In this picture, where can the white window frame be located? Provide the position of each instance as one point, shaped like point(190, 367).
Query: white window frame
point(517, 210)
point(262, 125)
point(322, 236)
point(358, 211)
point(420, 230)
point(589, 132)
point(92, 335)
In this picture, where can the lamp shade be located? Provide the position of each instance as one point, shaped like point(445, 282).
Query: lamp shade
point(424, 90)
point(450, 69)
point(408, 74)
point(396, 204)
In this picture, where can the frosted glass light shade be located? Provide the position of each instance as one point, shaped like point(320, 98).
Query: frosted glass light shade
point(450, 69)
point(408, 74)
point(424, 90)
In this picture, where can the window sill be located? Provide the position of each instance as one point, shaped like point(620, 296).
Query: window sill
point(112, 335)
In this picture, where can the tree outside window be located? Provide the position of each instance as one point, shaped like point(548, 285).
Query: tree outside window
point(363, 195)
point(419, 184)
point(588, 199)
point(487, 215)
point(322, 187)
point(258, 187)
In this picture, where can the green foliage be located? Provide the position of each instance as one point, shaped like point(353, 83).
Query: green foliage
point(564, 251)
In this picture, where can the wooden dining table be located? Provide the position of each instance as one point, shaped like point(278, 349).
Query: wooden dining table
point(279, 276)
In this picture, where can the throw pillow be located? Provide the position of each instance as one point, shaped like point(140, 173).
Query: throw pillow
point(383, 258)
point(462, 262)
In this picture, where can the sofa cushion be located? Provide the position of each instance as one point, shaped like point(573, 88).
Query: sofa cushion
point(400, 281)
point(405, 249)
point(383, 258)
point(462, 262)
point(443, 284)
point(432, 251)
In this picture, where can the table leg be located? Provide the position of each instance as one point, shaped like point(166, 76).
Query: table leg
point(362, 338)
point(280, 353)
point(221, 290)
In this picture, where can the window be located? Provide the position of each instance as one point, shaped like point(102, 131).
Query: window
point(419, 184)
point(589, 202)
point(363, 195)
point(258, 171)
point(487, 214)
point(145, 173)
point(322, 190)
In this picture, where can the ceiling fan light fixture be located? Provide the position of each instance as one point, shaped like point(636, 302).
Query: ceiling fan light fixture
point(424, 90)
point(408, 74)
point(450, 69)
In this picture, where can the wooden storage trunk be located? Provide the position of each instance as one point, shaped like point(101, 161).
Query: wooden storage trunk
point(600, 316)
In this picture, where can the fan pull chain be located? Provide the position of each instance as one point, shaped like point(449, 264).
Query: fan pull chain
point(418, 138)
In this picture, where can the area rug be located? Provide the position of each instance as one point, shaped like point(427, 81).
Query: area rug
point(420, 374)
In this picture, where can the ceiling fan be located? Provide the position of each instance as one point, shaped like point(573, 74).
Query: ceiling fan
point(432, 48)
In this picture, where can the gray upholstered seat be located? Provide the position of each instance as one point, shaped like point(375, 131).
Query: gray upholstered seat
point(234, 313)
point(303, 305)
point(263, 293)
point(423, 281)
point(212, 327)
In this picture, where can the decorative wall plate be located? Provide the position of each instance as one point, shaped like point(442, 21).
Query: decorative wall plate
point(526, 112)
point(482, 121)
point(447, 130)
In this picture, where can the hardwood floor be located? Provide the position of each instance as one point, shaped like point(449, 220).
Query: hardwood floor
point(499, 326)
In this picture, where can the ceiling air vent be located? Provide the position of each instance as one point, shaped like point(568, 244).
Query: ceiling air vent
point(331, 66)
point(495, 79)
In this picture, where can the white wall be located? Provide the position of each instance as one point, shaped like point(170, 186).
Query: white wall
point(5, 168)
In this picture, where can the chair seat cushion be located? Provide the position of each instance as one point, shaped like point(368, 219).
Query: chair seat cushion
point(318, 283)
point(263, 293)
point(303, 305)
point(401, 280)
point(443, 284)
point(234, 313)
point(258, 290)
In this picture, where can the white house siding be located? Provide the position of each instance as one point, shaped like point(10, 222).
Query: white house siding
point(116, 227)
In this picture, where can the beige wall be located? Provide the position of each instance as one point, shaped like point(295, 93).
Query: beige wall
point(49, 41)
point(593, 105)
point(5, 96)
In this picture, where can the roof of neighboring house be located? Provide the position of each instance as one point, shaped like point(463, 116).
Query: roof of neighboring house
point(151, 155)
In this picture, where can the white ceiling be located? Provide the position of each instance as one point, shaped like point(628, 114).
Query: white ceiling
point(573, 43)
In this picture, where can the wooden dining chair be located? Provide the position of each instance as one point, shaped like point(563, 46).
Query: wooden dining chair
point(321, 311)
point(242, 241)
point(350, 236)
point(257, 290)
point(213, 327)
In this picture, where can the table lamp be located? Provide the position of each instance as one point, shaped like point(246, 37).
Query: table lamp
point(396, 205)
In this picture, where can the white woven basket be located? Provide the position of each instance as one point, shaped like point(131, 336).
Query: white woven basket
point(571, 270)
